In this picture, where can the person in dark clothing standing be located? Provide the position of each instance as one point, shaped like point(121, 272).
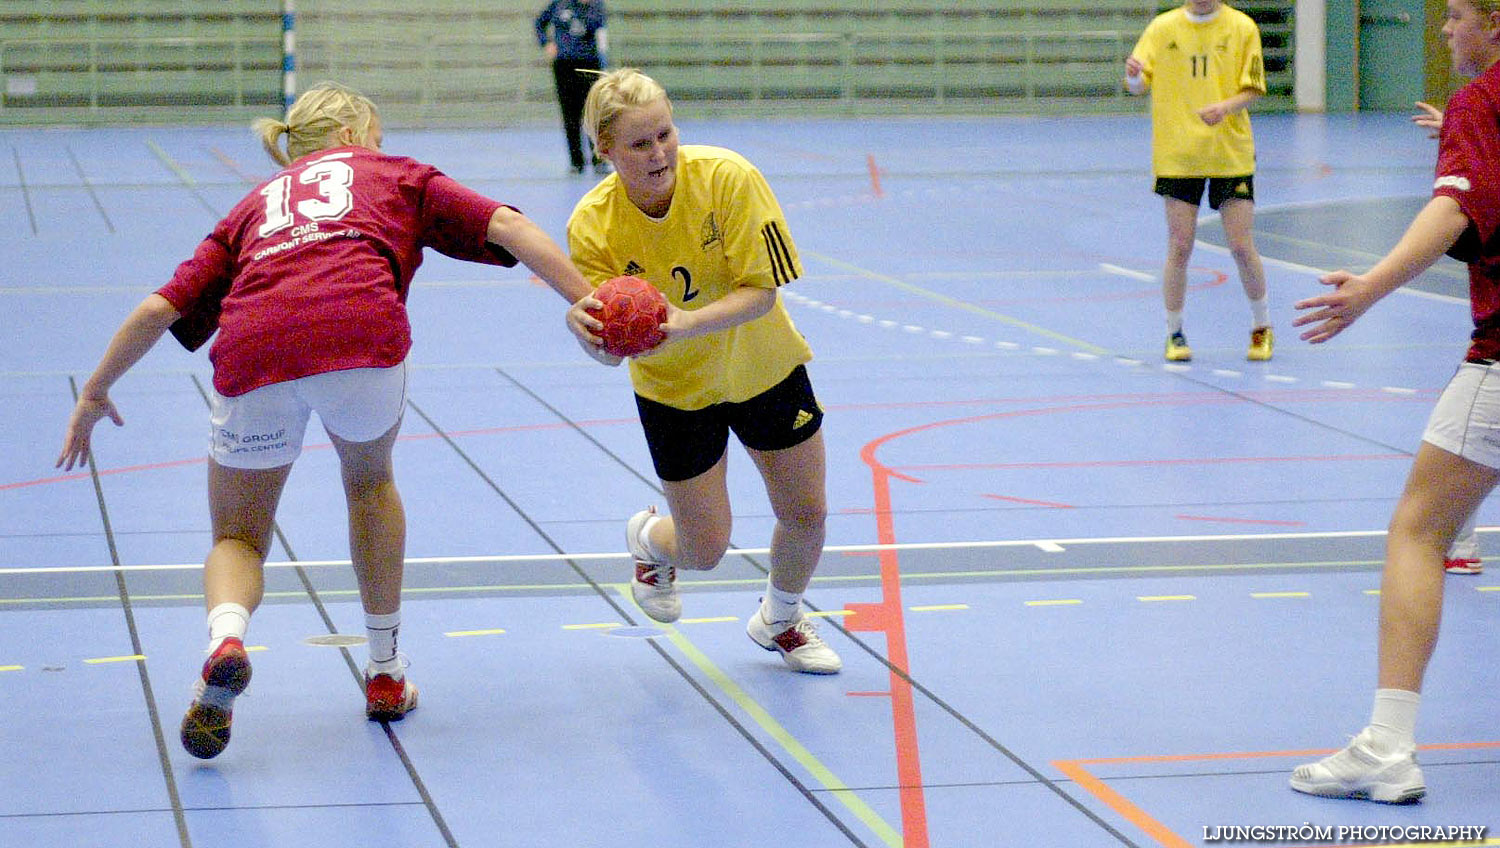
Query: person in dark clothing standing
point(577, 44)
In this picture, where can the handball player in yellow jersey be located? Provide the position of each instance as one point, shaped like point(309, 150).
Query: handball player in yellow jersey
point(1202, 64)
point(701, 224)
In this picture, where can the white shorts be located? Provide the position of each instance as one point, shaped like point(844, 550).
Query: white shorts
point(264, 428)
point(1466, 420)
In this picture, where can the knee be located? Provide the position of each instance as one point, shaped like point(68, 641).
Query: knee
point(1179, 251)
point(701, 549)
point(805, 519)
point(1243, 250)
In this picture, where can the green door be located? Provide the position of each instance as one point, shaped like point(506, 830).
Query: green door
point(1391, 58)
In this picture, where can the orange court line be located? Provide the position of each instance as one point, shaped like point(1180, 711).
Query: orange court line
point(1077, 771)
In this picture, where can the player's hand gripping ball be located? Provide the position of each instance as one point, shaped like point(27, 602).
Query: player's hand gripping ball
point(633, 313)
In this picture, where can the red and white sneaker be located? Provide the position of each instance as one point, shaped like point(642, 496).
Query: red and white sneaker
point(388, 699)
point(798, 643)
point(653, 585)
point(1463, 565)
point(226, 674)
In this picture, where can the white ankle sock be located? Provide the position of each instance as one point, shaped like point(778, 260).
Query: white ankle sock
point(1393, 722)
point(1260, 313)
point(382, 631)
point(1174, 322)
point(644, 537)
point(778, 607)
point(225, 620)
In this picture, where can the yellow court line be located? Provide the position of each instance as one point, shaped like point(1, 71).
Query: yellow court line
point(1060, 602)
point(826, 613)
point(957, 304)
point(12, 668)
point(1281, 594)
point(492, 632)
point(603, 625)
point(129, 658)
point(821, 773)
point(1487, 588)
point(1372, 591)
point(1149, 598)
point(253, 648)
point(939, 607)
point(714, 620)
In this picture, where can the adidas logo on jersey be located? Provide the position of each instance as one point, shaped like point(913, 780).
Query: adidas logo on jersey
point(633, 269)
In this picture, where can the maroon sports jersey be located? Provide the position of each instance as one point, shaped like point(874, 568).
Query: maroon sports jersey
point(309, 273)
point(1468, 170)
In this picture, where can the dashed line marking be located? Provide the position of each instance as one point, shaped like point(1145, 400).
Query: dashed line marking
point(939, 607)
point(494, 631)
point(1060, 602)
point(712, 620)
point(1398, 390)
point(1280, 378)
point(826, 613)
point(1337, 384)
point(127, 658)
point(12, 668)
point(1155, 598)
point(603, 625)
point(1225, 372)
point(1281, 594)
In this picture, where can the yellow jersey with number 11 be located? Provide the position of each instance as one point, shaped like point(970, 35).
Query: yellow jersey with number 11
point(1189, 65)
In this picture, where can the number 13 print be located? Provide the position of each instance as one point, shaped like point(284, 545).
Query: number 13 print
point(332, 178)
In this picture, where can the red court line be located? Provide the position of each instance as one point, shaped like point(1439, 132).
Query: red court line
point(203, 460)
point(1028, 501)
point(1077, 770)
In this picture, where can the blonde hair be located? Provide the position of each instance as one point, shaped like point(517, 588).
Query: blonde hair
point(313, 121)
point(613, 93)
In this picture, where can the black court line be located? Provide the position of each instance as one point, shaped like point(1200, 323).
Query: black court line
point(354, 669)
point(25, 192)
point(608, 598)
point(93, 195)
point(876, 655)
point(135, 648)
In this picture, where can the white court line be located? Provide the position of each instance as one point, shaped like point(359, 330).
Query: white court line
point(1051, 545)
point(1126, 272)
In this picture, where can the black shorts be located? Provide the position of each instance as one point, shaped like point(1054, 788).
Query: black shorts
point(1220, 189)
point(686, 443)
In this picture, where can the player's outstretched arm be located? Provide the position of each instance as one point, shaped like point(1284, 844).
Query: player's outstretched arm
point(536, 250)
point(1431, 233)
point(140, 331)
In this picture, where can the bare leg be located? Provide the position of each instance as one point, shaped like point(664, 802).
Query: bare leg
point(1238, 217)
point(242, 506)
point(696, 534)
point(1442, 491)
point(794, 480)
point(1182, 228)
point(377, 520)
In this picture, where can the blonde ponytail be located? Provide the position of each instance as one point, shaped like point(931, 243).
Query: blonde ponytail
point(314, 121)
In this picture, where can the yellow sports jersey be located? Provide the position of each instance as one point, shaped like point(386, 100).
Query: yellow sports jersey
point(1191, 65)
point(724, 230)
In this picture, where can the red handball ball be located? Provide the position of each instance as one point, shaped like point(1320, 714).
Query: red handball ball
point(633, 313)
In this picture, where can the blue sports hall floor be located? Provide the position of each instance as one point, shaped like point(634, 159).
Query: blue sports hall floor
point(1084, 597)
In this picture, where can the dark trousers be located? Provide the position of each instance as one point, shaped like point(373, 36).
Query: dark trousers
point(572, 90)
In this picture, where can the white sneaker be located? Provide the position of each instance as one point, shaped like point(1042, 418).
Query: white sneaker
point(1358, 772)
point(654, 585)
point(799, 644)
